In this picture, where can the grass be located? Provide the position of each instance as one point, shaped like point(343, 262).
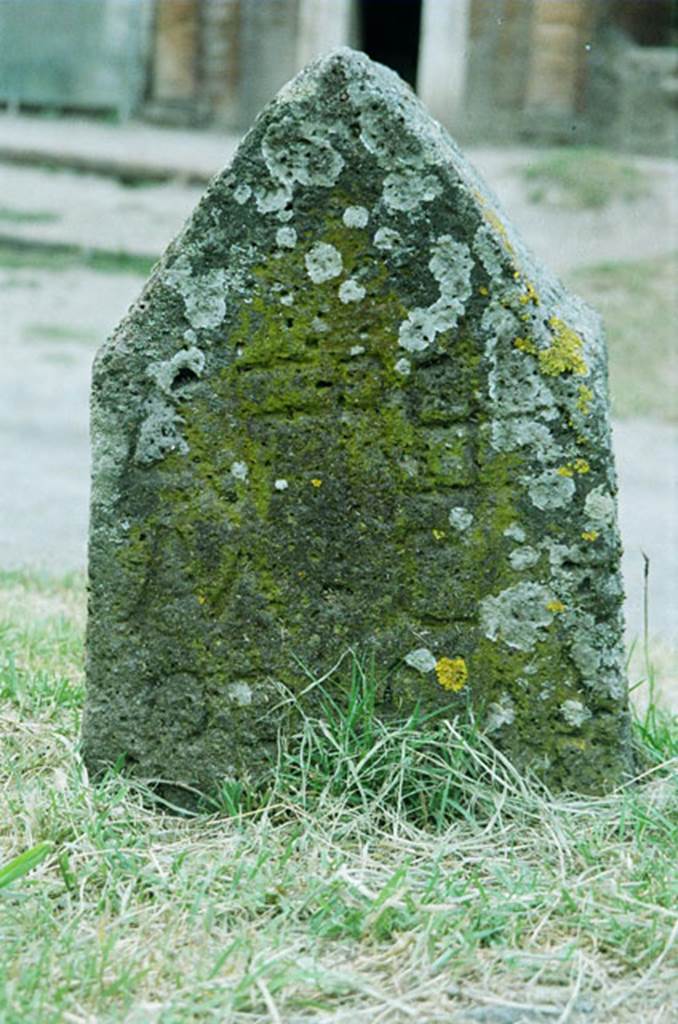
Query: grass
point(390, 875)
point(59, 333)
point(637, 300)
point(14, 216)
point(583, 177)
point(20, 254)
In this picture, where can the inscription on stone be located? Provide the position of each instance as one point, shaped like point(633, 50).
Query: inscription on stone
point(350, 410)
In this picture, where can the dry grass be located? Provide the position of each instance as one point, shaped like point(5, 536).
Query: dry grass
point(583, 177)
point(639, 303)
point(360, 891)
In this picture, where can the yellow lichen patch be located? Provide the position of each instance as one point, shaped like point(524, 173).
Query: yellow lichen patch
point(483, 290)
point(556, 606)
point(438, 534)
point(584, 399)
point(315, 482)
point(565, 354)
point(496, 222)
point(589, 535)
point(578, 466)
point(201, 598)
point(452, 673)
point(529, 295)
point(525, 345)
point(493, 220)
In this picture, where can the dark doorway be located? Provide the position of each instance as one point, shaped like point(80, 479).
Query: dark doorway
point(389, 33)
point(648, 23)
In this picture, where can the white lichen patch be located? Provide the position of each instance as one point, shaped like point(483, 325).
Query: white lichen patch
point(500, 714)
point(351, 291)
point(239, 471)
point(281, 484)
point(356, 216)
point(303, 87)
point(515, 386)
point(274, 200)
point(421, 660)
point(240, 694)
point(323, 262)
point(490, 252)
point(356, 350)
point(499, 323)
point(286, 238)
point(460, 518)
point(515, 532)
point(242, 194)
point(159, 433)
point(419, 330)
point(413, 139)
point(387, 239)
point(301, 155)
point(407, 189)
point(509, 435)
point(204, 295)
point(599, 657)
point(586, 657)
point(600, 507)
point(165, 373)
point(517, 616)
point(403, 367)
point(551, 490)
point(450, 265)
point(575, 713)
point(524, 558)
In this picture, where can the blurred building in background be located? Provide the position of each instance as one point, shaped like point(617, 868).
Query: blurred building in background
point(552, 70)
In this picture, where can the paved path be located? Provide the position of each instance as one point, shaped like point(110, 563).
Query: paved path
point(133, 150)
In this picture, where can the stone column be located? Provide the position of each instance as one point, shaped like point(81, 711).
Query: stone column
point(268, 52)
point(323, 25)
point(442, 57)
point(558, 39)
point(176, 43)
point(221, 59)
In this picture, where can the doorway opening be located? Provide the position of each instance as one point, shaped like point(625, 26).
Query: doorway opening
point(648, 24)
point(389, 33)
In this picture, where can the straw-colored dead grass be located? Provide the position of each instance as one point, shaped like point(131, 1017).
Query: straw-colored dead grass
point(362, 890)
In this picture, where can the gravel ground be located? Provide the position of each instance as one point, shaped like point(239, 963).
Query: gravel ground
point(91, 211)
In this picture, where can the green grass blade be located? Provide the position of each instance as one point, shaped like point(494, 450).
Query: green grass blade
point(25, 862)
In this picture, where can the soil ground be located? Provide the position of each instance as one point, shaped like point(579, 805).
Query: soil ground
point(58, 306)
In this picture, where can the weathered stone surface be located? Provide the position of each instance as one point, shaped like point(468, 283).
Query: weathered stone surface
point(350, 410)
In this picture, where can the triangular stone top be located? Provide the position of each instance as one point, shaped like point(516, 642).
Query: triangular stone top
point(350, 411)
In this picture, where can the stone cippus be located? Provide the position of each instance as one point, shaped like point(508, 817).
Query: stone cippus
point(349, 410)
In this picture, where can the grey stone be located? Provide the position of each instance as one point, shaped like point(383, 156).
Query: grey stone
point(350, 410)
